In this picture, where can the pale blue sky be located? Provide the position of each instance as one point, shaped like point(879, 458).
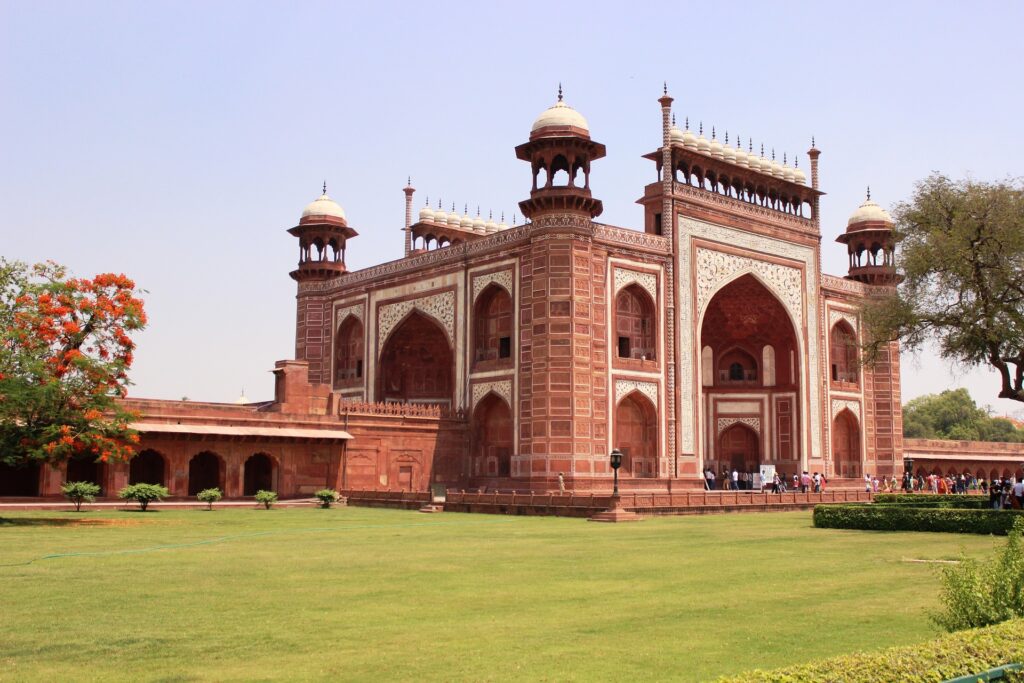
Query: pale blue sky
point(177, 141)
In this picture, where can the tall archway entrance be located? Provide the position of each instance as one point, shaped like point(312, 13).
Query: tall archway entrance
point(205, 471)
point(146, 468)
point(738, 446)
point(636, 435)
point(19, 481)
point(750, 370)
point(416, 363)
point(846, 445)
point(259, 474)
point(492, 438)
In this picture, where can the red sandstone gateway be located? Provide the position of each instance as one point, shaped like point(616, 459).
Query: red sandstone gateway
point(495, 356)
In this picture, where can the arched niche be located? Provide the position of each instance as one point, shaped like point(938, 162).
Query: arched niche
point(492, 326)
point(492, 438)
point(636, 435)
point(87, 468)
point(260, 474)
point(635, 324)
point(844, 354)
point(416, 363)
point(739, 448)
point(846, 445)
point(205, 471)
point(148, 467)
point(19, 480)
point(349, 352)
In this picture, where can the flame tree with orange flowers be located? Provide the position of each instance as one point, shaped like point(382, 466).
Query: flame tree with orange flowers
point(65, 352)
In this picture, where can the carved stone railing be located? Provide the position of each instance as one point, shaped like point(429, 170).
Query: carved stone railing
point(738, 206)
point(843, 285)
point(430, 410)
point(632, 238)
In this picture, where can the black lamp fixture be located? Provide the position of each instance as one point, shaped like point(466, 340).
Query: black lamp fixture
point(615, 458)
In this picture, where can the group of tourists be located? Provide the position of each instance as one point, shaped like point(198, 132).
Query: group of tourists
point(1006, 494)
point(751, 481)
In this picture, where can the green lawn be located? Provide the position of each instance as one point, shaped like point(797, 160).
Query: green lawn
point(363, 594)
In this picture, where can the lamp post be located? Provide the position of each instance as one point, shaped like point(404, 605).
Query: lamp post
point(615, 458)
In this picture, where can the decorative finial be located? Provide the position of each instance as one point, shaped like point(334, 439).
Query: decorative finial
point(465, 209)
point(325, 187)
point(559, 92)
point(712, 132)
point(673, 120)
point(773, 154)
point(727, 137)
point(408, 181)
point(687, 123)
point(490, 215)
point(664, 87)
point(438, 204)
point(427, 203)
point(502, 216)
point(784, 162)
point(702, 128)
point(453, 209)
point(812, 141)
point(796, 161)
point(869, 193)
point(478, 211)
point(750, 145)
point(762, 150)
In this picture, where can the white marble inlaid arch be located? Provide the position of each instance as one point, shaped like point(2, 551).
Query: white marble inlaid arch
point(835, 316)
point(502, 388)
point(839, 405)
point(502, 278)
point(623, 387)
point(647, 281)
point(715, 269)
point(440, 307)
point(752, 422)
point(354, 310)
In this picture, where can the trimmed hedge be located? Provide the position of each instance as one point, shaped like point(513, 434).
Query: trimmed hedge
point(957, 654)
point(905, 518)
point(934, 500)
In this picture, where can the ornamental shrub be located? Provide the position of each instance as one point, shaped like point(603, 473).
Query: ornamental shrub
point(980, 593)
point(209, 496)
point(906, 518)
point(326, 497)
point(268, 498)
point(932, 500)
point(79, 492)
point(951, 656)
point(144, 494)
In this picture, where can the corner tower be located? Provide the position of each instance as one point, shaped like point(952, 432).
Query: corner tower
point(323, 232)
point(560, 148)
point(871, 244)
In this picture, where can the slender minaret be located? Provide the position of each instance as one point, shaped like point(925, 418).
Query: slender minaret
point(814, 153)
point(408, 190)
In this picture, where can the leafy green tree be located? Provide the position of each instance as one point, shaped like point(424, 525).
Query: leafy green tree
point(79, 492)
point(143, 494)
point(962, 258)
point(267, 498)
point(953, 414)
point(327, 497)
point(65, 351)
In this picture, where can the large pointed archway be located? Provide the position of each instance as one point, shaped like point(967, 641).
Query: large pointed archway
point(416, 363)
point(148, 467)
point(636, 436)
point(750, 374)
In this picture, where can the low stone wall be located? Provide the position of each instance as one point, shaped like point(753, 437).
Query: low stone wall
point(587, 505)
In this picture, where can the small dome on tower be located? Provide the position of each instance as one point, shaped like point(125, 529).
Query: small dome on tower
point(869, 211)
point(715, 147)
point(559, 116)
point(741, 155)
point(467, 221)
point(426, 214)
point(323, 206)
point(799, 176)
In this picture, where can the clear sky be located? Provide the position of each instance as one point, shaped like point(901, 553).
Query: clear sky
point(177, 141)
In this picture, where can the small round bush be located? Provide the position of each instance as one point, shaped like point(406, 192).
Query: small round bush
point(144, 494)
point(326, 497)
point(209, 496)
point(79, 492)
point(268, 498)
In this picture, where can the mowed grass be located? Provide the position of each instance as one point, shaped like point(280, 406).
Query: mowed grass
point(365, 594)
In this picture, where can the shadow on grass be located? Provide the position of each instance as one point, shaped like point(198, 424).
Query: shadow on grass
point(65, 521)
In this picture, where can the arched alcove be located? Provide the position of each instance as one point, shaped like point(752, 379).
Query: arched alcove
point(844, 354)
point(636, 435)
point(492, 438)
point(846, 445)
point(86, 468)
point(492, 325)
point(148, 467)
point(739, 449)
point(205, 471)
point(259, 474)
point(635, 324)
point(348, 352)
point(416, 363)
point(20, 480)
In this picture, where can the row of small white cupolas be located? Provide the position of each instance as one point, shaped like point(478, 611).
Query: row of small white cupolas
point(737, 155)
point(463, 222)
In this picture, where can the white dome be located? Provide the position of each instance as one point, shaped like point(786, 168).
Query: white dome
point(467, 221)
point(689, 139)
point(440, 216)
point(869, 211)
point(560, 115)
point(323, 206)
point(490, 226)
point(787, 173)
point(729, 153)
point(715, 148)
point(426, 215)
point(765, 164)
point(741, 157)
point(799, 176)
point(703, 145)
point(479, 224)
point(675, 135)
point(776, 169)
